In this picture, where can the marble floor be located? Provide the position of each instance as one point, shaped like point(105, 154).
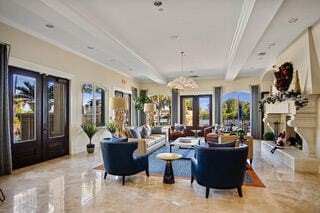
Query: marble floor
point(69, 184)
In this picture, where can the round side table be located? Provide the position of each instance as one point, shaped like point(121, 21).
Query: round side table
point(168, 176)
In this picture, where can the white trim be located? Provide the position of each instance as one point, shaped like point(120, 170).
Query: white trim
point(39, 68)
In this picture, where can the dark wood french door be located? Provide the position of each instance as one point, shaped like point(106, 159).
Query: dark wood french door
point(39, 117)
point(196, 110)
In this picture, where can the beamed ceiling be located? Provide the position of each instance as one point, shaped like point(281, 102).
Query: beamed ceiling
point(223, 39)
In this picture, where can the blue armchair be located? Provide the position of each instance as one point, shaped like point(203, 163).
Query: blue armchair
point(118, 159)
point(219, 167)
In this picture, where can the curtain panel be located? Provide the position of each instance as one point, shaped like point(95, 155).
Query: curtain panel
point(5, 138)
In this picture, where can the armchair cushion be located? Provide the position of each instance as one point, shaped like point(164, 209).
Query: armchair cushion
point(229, 144)
point(114, 139)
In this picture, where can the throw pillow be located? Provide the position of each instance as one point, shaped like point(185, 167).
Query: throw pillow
point(145, 132)
point(134, 133)
point(156, 130)
point(178, 127)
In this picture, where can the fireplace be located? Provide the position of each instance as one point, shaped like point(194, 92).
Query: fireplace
point(301, 125)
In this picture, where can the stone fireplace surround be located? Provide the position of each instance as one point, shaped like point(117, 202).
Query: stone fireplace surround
point(303, 122)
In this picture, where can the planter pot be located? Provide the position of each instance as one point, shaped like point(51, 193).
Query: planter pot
point(90, 148)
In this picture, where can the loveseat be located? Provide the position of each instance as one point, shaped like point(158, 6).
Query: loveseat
point(149, 144)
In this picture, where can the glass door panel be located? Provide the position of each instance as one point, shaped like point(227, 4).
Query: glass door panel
point(99, 95)
point(204, 111)
point(56, 106)
point(187, 111)
point(87, 108)
point(24, 108)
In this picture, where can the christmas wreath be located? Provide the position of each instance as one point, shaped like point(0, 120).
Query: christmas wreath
point(283, 79)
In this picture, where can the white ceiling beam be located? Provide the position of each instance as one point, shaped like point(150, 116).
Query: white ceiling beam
point(97, 31)
point(248, 32)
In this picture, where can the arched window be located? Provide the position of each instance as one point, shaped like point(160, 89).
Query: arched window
point(236, 110)
point(93, 104)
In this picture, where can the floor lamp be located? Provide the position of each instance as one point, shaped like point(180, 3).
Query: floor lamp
point(149, 109)
point(120, 106)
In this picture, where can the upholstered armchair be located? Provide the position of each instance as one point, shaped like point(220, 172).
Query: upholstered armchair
point(118, 159)
point(209, 135)
point(219, 167)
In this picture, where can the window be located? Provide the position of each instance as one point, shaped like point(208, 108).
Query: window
point(162, 116)
point(93, 102)
point(236, 110)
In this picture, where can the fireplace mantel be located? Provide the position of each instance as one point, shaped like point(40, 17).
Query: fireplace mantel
point(303, 121)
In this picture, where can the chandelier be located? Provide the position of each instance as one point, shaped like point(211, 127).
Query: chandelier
point(182, 82)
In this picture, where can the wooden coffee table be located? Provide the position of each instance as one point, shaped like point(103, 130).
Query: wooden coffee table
point(168, 176)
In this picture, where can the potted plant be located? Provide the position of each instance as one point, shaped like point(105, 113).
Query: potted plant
point(140, 101)
point(241, 133)
point(268, 136)
point(111, 127)
point(90, 129)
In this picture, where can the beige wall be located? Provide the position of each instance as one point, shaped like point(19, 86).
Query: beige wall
point(304, 54)
point(34, 54)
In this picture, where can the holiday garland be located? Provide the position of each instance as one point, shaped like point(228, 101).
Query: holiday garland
point(283, 79)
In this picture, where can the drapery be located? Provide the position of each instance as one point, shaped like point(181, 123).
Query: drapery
point(174, 106)
point(254, 112)
point(142, 114)
point(5, 139)
point(135, 111)
point(217, 105)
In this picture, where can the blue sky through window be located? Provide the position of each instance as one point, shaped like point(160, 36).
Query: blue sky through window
point(243, 96)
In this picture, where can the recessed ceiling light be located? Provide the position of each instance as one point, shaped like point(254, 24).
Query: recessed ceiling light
point(292, 20)
point(157, 3)
point(175, 37)
point(49, 26)
point(262, 53)
point(90, 47)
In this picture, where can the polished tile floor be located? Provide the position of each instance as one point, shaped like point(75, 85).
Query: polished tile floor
point(69, 184)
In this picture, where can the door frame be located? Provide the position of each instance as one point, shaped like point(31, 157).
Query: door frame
point(39, 146)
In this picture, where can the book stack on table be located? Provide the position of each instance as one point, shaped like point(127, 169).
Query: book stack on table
point(185, 140)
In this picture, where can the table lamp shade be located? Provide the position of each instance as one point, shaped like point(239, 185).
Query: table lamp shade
point(119, 103)
point(149, 107)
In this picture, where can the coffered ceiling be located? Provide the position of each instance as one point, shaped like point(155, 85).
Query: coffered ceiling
point(222, 39)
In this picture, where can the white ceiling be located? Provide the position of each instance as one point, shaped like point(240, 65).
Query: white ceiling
point(220, 38)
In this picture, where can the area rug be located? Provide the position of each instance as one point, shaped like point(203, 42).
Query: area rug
point(182, 167)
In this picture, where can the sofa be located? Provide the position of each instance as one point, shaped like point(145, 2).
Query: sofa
point(147, 145)
point(249, 143)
